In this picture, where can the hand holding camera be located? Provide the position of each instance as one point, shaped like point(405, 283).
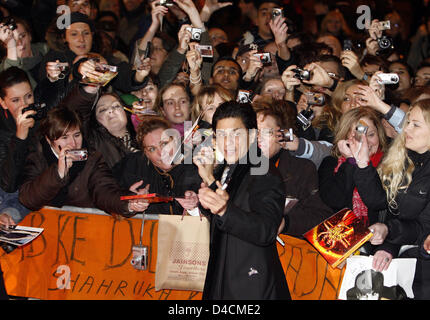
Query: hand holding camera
point(290, 79)
point(314, 74)
point(194, 59)
point(7, 36)
point(255, 64)
point(350, 61)
point(24, 121)
point(184, 37)
point(278, 26)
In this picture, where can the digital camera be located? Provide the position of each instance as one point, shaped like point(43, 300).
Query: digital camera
point(347, 45)
point(305, 118)
point(10, 23)
point(315, 98)
point(140, 257)
point(277, 12)
point(78, 154)
point(243, 96)
point(206, 51)
point(264, 57)
point(360, 130)
point(388, 78)
point(302, 74)
point(287, 134)
point(195, 33)
point(166, 3)
point(40, 109)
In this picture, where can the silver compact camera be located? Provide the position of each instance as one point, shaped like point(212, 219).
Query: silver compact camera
point(166, 3)
point(388, 78)
point(243, 96)
point(277, 12)
point(195, 33)
point(264, 57)
point(140, 257)
point(360, 130)
point(302, 74)
point(315, 98)
point(78, 154)
point(305, 118)
point(287, 134)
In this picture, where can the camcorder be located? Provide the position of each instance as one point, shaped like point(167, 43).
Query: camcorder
point(140, 257)
point(78, 154)
point(287, 134)
point(264, 57)
point(302, 74)
point(9, 22)
point(195, 33)
point(40, 109)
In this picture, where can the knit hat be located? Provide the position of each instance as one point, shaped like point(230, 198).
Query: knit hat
point(76, 17)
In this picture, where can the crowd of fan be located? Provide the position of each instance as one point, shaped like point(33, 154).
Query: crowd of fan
point(311, 76)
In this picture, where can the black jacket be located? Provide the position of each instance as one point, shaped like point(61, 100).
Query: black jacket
point(135, 167)
point(301, 182)
point(13, 152)
point(409, 224)
point(244, 261)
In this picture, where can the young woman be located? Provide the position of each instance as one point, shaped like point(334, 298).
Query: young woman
point(173, 102)
point(21, 52)
point(337, 184)
point(16, 126)
point(399, 186)
point(54, 176)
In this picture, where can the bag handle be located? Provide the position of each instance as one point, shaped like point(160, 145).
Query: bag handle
point(184, 213)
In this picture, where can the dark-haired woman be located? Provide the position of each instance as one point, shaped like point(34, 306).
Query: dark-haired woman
point(54, 176)
point(16, 127)
point(154, 170)
point(55, 84)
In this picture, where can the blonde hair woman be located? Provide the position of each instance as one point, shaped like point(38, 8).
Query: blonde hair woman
point(400, 186)
point(207, 100)
point(338, 185)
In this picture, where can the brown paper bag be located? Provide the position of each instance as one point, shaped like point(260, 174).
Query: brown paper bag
point(183, 252)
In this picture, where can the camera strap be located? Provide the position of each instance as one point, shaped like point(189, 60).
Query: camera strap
point(141, 228)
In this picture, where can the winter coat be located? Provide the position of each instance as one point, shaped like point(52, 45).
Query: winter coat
point(301, 182)
point(98, 137)
point(183, 177)
point(13, 152)
point(244, 262)
point(409, 224)
point(92, 186)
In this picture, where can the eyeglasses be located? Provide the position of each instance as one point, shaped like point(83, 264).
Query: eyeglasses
point(160, 147)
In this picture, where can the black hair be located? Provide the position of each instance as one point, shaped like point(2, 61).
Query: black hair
point(227, 58)
point(332, 58)
point(259, 3)
point(233, 109)
point(11, 77)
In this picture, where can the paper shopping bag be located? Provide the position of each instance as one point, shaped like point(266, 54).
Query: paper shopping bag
point(183, 252)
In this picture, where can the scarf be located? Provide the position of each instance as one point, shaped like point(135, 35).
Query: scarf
point(358, 207)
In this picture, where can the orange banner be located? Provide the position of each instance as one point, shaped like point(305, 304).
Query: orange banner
point(87, 257)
